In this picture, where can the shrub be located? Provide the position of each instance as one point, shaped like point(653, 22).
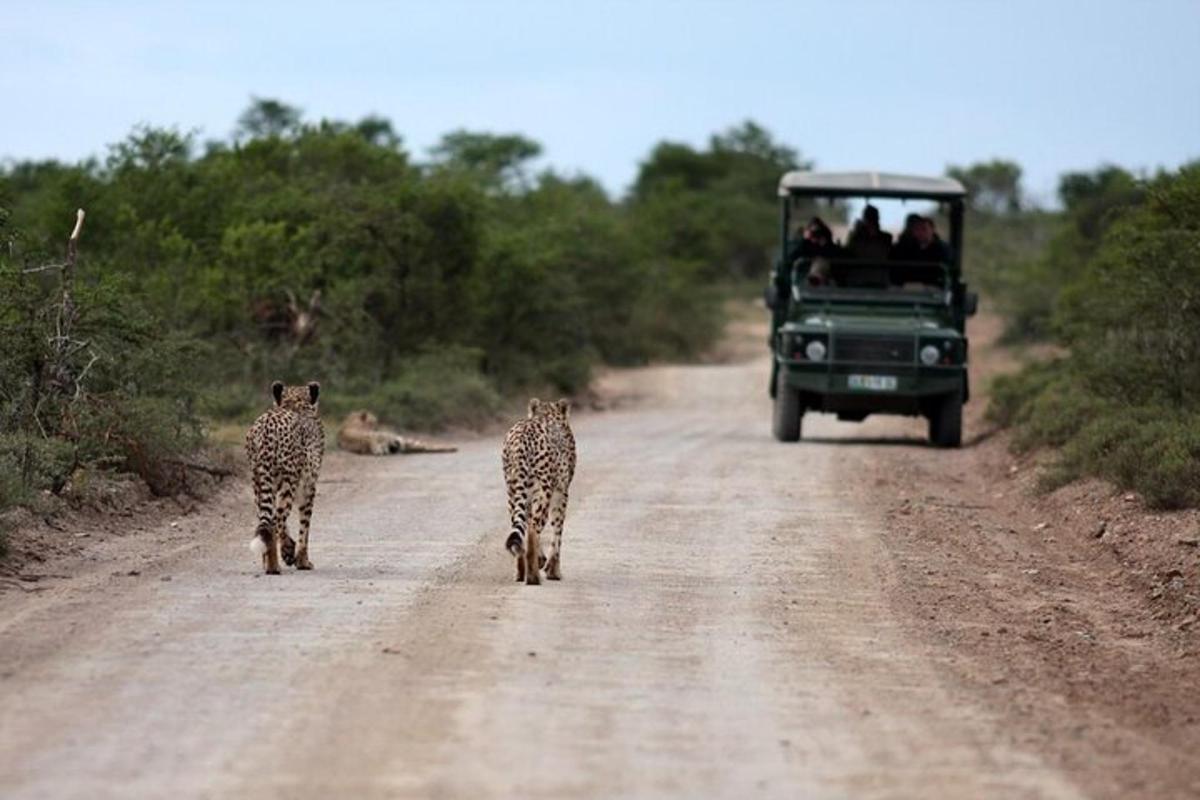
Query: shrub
point(1124, 403)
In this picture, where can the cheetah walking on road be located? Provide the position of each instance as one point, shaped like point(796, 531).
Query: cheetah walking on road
point(539, 463)
point(285, 446)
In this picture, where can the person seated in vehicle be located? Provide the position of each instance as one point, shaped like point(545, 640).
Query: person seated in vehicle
point(868, 240)
point(906, 236)
point(816, 244)
point(923, 245)
point(815, 240)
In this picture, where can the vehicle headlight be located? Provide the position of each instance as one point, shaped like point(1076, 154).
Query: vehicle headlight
point(930, 354)
point(815, 350)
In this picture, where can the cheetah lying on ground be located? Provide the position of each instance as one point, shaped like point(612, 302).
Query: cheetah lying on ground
point(539, 463)
point(361, 433)
point(285, 446)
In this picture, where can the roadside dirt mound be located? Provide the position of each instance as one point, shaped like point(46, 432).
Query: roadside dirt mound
point(60, 535)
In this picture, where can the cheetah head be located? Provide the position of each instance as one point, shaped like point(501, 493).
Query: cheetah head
point(558, 408)
point(363, 419)
point(301, 399)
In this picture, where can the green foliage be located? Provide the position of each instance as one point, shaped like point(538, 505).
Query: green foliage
point(121, 394)
point(496, 162)
point(266, 118)
point(992, 186)
point(299, 251)
point(434, 389)
point(713, 209)
point(1124, 403)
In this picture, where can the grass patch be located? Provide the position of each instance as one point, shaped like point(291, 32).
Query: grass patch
point(431, 391)
point(1150, 448)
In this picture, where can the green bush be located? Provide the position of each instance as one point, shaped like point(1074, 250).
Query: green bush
point(304, 251)
point(1124, 403)
point(435, 389)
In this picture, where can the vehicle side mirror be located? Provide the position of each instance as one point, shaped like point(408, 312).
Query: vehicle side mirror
point(771, 296)
point(971, 303)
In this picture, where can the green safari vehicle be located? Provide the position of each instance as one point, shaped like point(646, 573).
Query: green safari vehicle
point(881, 333)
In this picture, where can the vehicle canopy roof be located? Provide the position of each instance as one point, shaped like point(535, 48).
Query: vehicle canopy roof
point(869, 184)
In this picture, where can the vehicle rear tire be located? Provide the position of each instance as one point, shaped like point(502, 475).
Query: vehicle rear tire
point(785, 424)
point(945, 423)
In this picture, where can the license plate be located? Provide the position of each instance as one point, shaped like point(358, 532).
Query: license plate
point(874, 383)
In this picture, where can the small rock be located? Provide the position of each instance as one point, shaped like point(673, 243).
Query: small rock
point(133, 573)
point(1189, 541)
point(390, 651)
point(1041, 526)
point(1129, 498)
point(532, 654)
point(1100, 529)
point(165, 578)
point(174, 524)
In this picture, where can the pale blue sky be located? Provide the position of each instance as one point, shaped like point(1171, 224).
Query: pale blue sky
point(899, 86)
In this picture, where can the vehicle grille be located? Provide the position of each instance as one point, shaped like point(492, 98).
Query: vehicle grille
point(874, 349)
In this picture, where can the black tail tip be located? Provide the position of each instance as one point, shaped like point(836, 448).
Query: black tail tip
point(515, 544)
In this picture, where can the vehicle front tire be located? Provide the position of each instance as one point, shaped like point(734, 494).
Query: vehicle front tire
point(787, 418)
point(945, 423)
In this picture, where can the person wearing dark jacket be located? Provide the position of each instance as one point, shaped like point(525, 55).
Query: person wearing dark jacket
point(868, 240)
point(815, 240)
point(818, 246)
point(923, 244)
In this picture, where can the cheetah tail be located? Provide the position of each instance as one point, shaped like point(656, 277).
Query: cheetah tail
point(515, 543)
point(417, 446)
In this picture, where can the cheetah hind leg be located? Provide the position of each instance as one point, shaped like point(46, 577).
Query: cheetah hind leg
point(287, 548)
point(558, 513)
point(521, 565)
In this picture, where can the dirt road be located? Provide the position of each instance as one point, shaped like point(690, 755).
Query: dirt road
point(723, 630)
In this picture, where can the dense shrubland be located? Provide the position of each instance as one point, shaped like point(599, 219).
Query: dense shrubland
point(426, 289)
point(1121, 280)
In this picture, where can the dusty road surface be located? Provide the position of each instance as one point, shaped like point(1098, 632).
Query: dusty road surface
point(723, 630)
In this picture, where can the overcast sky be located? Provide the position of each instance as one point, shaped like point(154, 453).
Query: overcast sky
point(896, 86)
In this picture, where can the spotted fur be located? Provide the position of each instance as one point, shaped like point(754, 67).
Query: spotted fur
point(285, 445)
point(539, 463)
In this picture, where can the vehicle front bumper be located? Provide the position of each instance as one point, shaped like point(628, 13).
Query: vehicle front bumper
point(824, 386)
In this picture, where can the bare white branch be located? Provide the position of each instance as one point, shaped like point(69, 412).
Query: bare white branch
point(43, 268)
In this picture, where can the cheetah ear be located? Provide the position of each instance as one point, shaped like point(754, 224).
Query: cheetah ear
point(534, 405)
point(564, 406)
point(314, 390)
point(277, 391)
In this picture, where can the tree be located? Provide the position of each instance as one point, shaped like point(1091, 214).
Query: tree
point(267, 118)
point(497, 160)
point(378, 131)
point(992, 186)
point(714, 207)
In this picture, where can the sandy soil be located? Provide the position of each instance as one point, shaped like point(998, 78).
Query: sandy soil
point(738, 618)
